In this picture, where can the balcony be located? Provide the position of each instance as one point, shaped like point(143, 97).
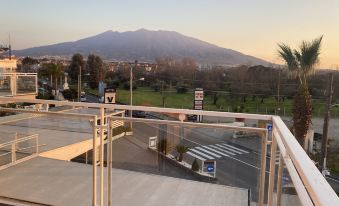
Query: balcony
point(47, 157)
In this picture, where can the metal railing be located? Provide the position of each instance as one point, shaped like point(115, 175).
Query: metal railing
point(12, 153)
point(15, 84)
point(311, 187)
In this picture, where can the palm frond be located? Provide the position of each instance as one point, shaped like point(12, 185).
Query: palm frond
point(310, 52)
point(286, 53)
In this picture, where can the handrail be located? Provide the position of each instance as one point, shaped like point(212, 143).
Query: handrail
point(143, 108)
point(19, 140)
point(17, 73)
point(318, 188)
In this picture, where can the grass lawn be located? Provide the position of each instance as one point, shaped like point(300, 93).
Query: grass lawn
point(145, 96)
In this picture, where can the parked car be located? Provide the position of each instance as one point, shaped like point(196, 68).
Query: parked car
point(136, 113)
point(192, 118)
point(83, 97)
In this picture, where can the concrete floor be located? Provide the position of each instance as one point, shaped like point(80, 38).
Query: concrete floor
point(56, 182)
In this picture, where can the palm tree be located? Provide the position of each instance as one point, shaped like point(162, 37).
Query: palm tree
point(301, 64)
point(55, 70)
point(181, 149)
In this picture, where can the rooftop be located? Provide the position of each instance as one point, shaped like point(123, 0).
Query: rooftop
point(46, 158)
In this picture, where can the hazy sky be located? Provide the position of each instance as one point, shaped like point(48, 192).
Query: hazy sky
point(253, 27)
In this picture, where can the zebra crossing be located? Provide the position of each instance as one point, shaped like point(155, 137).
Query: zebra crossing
point(215, 151)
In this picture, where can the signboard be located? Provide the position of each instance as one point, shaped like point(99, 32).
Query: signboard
point(109, 97)
point(152, 142)
point(209, 166)
point(199, 94)
point(198, 101)
point(269, 128)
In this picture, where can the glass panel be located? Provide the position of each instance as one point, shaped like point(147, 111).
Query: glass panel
point(5, 155)
point(202, 154)
point(5, 86)
point(288, 195)
point(26, 84)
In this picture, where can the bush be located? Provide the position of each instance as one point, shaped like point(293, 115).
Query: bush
point(195, 165)
point(181, 89)
point(118, 130)
point(127, 86)
point(162, 146)
point(70, 94)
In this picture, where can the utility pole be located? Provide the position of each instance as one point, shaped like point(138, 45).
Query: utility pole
point(79, 83)
point(279, 92)
point(131, 87)
point(326, 123)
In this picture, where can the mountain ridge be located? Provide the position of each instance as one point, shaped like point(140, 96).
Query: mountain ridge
point(145, 45)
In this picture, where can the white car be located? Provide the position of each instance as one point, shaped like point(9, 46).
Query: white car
point(101, 99)
point(83, 97)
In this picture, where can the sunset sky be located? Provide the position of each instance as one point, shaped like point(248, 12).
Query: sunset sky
point(252, 27)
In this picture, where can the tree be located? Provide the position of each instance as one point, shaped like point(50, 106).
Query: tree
point(181, 149)
point(195, 165)
point(96, 69)
point(27, 64)
point(301, 64)
point(55, 70)
point(76, 63)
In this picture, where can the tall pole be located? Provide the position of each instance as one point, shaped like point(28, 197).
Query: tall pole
point(79, 83)
point(326, 123)
point(162, 94)
point(131, 87)
point(279, 92)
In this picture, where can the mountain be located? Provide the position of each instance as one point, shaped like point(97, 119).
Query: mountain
point(145, 45)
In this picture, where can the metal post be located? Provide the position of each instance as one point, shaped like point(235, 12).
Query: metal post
point(249, 197)
point(13, 152)
point(102, 123)
point(272, 170)
point(279, 183)
point(109, 159)
point(263, 169)
point(94, 161)
point(37, 144)
point(324, 142)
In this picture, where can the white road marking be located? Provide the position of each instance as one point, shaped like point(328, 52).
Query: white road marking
point(203, 154)
point(208, 152)
point(241, 150)
point(224, 150)
point(196, 156)
point(214, 150)
point(235, 151)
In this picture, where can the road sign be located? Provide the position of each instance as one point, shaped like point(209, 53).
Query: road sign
point(109, 97)
point(269, 127)
point(209, 166)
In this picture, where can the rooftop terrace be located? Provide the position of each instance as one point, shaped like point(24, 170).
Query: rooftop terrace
point(259, 167)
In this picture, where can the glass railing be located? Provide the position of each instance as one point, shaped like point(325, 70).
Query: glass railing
point(226, 158)
point(21, 147)
point(13, 84)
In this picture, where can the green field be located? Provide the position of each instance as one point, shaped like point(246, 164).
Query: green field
point(145, 96)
